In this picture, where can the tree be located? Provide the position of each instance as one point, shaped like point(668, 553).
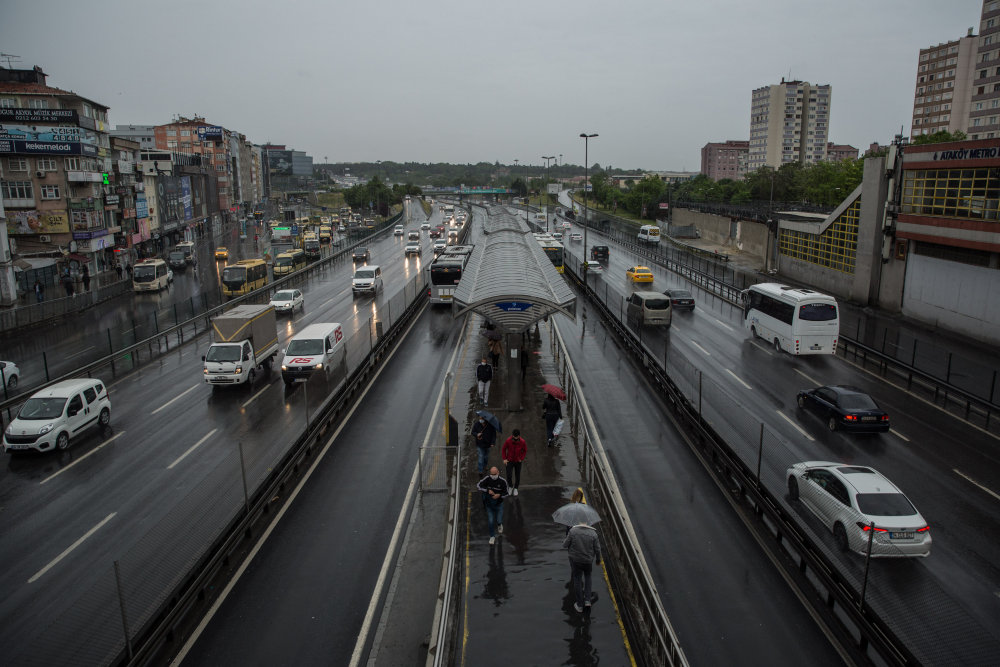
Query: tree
point(517, 185)
point(939, 137)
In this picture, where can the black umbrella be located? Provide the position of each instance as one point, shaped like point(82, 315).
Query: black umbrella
point(492, 335)
point(491, 418)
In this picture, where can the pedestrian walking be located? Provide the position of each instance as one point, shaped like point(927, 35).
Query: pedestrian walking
point(485, 437)
point(86, 279)
point(524, 362)
point(584, 550)
point(496, 349)
point(68, 284)
point(494, 488)
point(484, 374)
point(577, 497)
point(552, 411)
point(118, 270)
point(128, 270)
point(39, 290)
point(514, 449)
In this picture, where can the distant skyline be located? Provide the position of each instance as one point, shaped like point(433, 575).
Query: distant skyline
point(446, 81)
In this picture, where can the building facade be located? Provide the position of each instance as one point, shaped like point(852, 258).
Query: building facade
point(213, 143)
point(838, 152)
point(725, 160)
point(984, 109)
point(943, 87)
point(789, 122)
point(141, 134)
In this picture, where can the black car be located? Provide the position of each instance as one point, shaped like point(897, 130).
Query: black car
point(569, 214)
point(680, 299)
point(599, 252)
point(845, 407)
point(361, 254)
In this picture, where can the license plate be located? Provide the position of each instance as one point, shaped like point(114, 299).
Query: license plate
point(816, 347)
point(868, 419)
point(17, 446)
point(446, 296)
point(901, 536)
point(655, 320)
point(300, 379)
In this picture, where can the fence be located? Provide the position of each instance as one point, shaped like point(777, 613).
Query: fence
point(139, 596)
point(37, 312)
point(901, 609)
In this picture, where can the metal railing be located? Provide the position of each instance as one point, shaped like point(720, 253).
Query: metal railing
point(48, 309)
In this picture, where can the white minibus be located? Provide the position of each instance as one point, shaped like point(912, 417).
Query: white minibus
point(792, 319)
point(649, 234)
point(150, 275)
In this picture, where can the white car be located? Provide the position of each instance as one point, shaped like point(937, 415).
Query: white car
point(287, 300)
point(10, 373)
point(593, 267)
point(849, 498)
point(58, 414)
point(342, 228)
point(440, 245)
point(399, 230)
point(412, 248)
point(425, 225)
point(557, 236)
point(367, 280)
point(567, 225)
point(576, 236)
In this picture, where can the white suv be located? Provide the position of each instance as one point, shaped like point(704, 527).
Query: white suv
point(367, 280)
point(60, 413)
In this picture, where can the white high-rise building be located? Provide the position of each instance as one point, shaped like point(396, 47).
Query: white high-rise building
point(789, 121)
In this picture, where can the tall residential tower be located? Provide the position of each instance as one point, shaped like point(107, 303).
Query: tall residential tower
point(789, 121)
point(943, 87)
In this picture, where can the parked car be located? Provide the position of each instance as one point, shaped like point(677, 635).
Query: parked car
point(287, 300)
point(845, 407)
point(361, 254)
point(848, 499)
point(639, 274)
point(680, 298)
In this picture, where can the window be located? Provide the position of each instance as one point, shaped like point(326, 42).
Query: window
point(923, 57)
point(38, 104)
point(171, 144)
point(990, 23)
point(836, 248)
point(6, 103)
point(17, 190)
point(993, 120)
point(171, 133)
point(220, 167)
point(17, 164)
point(207, 144)
point(50, 192)
point(976, 122)
point(185, 133)
point(46, 164)
point(957, 193)
point(220, 156)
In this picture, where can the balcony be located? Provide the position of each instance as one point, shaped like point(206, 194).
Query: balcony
point(19, 203)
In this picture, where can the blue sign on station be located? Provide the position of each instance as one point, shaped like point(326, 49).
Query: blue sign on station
point(513, 306)
point(295, 230)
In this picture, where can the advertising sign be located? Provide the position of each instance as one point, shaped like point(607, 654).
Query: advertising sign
point(95, 244)
point(141, 207)
point(513, 306)
point(553, 188)
point(111, 199)
point(37, 222)
point(664, 205)
point(41, 133)
point(47, 147)
point(44, 116)
point(209, 132)
point(186, 197)
point(280, 162)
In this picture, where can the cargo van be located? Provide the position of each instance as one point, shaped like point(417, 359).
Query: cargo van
point(649, 234)
point(318, 347)
point(649, 308)
point(187, 247)
point(54, 416)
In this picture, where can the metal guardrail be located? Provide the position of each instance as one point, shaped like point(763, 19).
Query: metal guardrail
point(178, 329)
point(48, 309)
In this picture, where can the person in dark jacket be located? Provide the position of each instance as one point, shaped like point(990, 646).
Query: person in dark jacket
point(39, 290)
point(524, 362)
point(86, 279)
point(484, 374)
point(118, 270)
point(494, 488)
point(513, 452)
point(583, 547)
point(553, 412)
point(486, 437)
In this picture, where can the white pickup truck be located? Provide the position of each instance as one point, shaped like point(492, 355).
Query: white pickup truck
point(246, 342)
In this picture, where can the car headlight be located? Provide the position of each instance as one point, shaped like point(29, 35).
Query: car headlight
point(206, 371)
point(319, 367)
point(10, 427)
point(239, 369)
point(284, 367)
point(45, 429)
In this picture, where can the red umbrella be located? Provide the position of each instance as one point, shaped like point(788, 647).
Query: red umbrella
point(554, 391)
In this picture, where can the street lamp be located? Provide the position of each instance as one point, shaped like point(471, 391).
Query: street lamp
point(586, 174)
point(546, 190)
point(378, 201)
point(515, 170)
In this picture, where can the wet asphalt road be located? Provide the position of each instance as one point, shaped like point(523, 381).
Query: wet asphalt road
point(926, 455)
point(48, 501)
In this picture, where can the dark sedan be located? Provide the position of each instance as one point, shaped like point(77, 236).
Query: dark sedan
point(361, 254)
point(680, 299)
point(846, 408)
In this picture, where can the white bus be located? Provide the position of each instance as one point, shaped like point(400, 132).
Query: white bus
point(649, 234)
point(150, 275)
point(445, 272)
point(794, 320)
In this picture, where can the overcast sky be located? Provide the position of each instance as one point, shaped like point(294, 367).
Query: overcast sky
point(461, 81)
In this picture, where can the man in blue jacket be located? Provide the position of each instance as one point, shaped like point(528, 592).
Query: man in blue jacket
point(485, 437)
point(494, 488)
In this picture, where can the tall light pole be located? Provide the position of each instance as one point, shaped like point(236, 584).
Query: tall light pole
point(586, 175)
point(378, 200)
point(546, 190)
point(515, 170)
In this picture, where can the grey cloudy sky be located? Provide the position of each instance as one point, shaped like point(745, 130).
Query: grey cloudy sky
point(461, 81)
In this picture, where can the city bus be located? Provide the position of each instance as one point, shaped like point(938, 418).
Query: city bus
point(289, 261)
point(150, 274)
point(794, 320)
point(310, 243)
point(244, 277)
point(554, 251)
point(444, 274)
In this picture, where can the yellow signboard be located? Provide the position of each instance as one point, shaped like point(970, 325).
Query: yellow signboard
point(37, 222)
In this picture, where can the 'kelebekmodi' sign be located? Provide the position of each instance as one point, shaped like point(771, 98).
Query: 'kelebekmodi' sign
point(967, 154)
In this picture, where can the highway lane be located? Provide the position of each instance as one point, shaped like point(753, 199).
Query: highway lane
point(130, 475)
point(922, 455)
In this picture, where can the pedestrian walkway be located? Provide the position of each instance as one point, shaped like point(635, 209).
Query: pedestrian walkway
point(517, 597)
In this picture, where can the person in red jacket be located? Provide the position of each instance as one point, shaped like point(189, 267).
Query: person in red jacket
point(513, 452)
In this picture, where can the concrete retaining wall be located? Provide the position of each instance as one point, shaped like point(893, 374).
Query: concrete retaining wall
point(953, 296)
point(819, 277)
point(751, 237)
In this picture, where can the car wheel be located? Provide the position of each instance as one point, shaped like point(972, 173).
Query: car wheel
point(105, 417)
point(832, 424)
point(840, 535)
point(12, 382)
point(251, 376)
point(777, 346)
point(62, 442)
point(793, 488)
point(802, 402)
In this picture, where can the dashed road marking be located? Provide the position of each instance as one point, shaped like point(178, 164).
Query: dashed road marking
point(72, 546)
point(106, 442)
point(806, 376)
point(193, 447)
point(174, 399)
point(738, 379)
point(794, 425)
point(894, 431)
point(987, 490)
point(761, 348)
point(701, 348)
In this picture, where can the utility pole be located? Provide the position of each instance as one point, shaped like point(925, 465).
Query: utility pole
point(546, 190)
point(515, 170)
point(586, 176)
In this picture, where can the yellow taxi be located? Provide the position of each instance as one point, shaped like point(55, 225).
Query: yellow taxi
point(639, 274)
point(221, 253)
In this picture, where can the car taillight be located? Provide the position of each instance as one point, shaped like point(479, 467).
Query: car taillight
point(428, 291)
point(924, 529)
point(885, 418)
point(865, 527)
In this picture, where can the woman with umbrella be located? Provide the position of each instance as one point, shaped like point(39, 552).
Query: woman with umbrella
point(551, 409)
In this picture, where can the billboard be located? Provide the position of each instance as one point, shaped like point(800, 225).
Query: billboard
point(209, 132)
point(186, 197)
point(280, 162)
point(47, 147)
point(141, 207)
point(42, 133)
point(37, 222)
point(553, 188)
point(44, 116)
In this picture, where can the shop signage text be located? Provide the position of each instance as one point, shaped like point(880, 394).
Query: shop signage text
point(967, 154)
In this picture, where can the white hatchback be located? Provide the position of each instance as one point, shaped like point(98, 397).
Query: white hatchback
point(399, 230)
point(54, 416)
point(287, 300)
point(425, 225)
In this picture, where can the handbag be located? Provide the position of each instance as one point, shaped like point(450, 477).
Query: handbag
point(557, 429)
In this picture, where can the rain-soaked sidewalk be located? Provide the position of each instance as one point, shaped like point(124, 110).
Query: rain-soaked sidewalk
point(517, 596)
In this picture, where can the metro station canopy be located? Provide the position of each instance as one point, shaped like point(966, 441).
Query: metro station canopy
point(509, 279)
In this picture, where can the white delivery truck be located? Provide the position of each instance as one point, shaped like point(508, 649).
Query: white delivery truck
point(246, 341)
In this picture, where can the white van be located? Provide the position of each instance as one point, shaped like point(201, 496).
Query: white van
point(649, 234)
point(792, 319)
point(54, 416)
point(318, 347)
point(150, 274)
point(187, 247)
point(367, 280)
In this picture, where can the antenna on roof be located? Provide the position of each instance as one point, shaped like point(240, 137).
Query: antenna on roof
point(10, 57)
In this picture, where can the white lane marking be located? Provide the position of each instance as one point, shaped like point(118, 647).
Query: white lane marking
point(898, 434)
point(989, 491)
point(250, 400)
point(72, 546)
point(738, 379)
point(761, 348)
point(106, 442)
point(81, 351)
point(267, 533)
point(326, 302)
point(794, 425)
point(701, 348)
point(806, 377)
point(193, 447)
point(721, 323)
point(174, 399)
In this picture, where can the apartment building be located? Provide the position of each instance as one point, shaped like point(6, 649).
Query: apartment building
point(725, 160)
point(984, 103)
point(214, 144)
point(943, 87)
point(838, 152)
point(789, 121)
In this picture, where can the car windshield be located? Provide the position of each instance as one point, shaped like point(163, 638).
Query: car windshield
point(657, 304)
point(283, 261)
point(283, 296)
point(144, 274)
point(360, 251)
point(818, 312)
point(364, 274)
point(223, 353)
point(234, 276)
point(177, 255)
point(885, 504)
point(300, 348)
point(680, 294)
point(856, 402)
point(42, 408)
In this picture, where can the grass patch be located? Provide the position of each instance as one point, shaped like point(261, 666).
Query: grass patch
point(332, 200)
point(428, 209)
point(548, 200)
point(621, 213)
